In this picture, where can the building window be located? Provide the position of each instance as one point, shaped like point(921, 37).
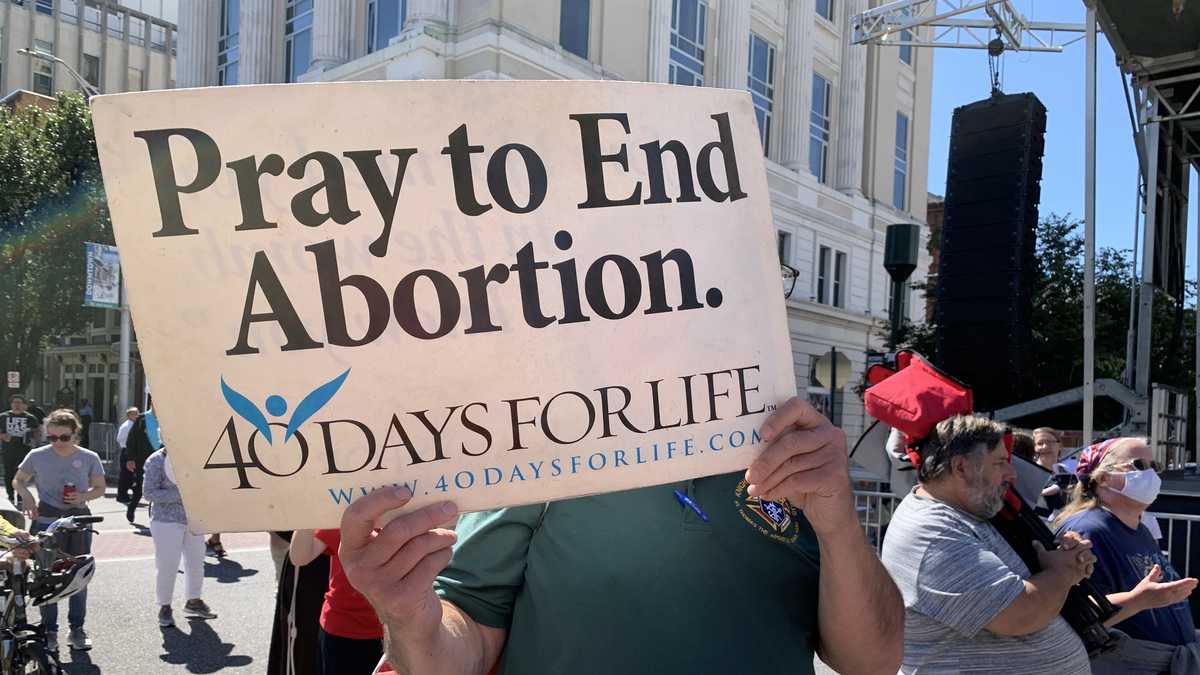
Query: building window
point(825, 9)
point(45, 7)
point(297, 32)
point(761, 83)
point(784, 242)
point(116, 24)
point(158, 37)
point(137, 30)
point(839, 279)
point(135, 79)
point(91, 70)
point(819, 128)
point(91, 16)
point(823, 274)
point(689, 20)
point(831, 277)
point(43, 70)
point(385, 18)
point(227, 44)
point(900, 177)
point(573, 26)
point(906, 36)
point(69, 10)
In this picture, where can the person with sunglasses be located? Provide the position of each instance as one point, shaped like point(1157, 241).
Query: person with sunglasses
point(67, 477)
point(1118, 480)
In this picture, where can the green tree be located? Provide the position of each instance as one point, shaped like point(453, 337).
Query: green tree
point(1056, 362)
point(51, 202)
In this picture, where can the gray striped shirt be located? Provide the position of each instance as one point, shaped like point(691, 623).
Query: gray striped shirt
point(956, 574)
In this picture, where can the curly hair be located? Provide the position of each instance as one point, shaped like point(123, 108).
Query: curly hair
point(959, 435)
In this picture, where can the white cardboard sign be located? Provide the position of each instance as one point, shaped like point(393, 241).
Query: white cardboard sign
point(497, 293)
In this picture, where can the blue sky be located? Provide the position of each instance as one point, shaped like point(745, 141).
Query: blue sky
point(960, 76)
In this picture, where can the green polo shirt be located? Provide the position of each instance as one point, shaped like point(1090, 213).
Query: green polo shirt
point(635, 582)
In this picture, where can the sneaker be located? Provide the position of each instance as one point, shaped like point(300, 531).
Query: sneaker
point(79, 640)
point(165, 620)
point(52, 643)
point(198, 609)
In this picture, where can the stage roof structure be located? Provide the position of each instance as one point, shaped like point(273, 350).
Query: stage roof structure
point(1157, 45)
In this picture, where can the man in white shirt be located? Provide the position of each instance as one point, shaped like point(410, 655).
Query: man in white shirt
point(125, 480)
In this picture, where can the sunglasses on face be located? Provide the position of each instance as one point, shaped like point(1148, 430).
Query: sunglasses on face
point(1142, 465)
point(64, 438)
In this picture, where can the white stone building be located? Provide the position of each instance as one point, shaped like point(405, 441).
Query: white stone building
point(845, 128)
point(115, 46)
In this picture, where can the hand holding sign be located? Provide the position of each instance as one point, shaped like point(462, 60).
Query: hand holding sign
point(805, 463)
point(394, 566)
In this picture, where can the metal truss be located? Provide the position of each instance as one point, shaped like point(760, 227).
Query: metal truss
point(954, 25)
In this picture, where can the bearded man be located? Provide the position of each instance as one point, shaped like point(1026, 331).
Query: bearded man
point(971, 604)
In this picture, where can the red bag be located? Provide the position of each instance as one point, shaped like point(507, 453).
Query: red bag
point(916, 397)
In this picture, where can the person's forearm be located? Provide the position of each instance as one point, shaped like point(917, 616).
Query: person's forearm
point(456, 646)
point(22, 489)
point(859, 604)
point(304, 547)
point(1033, 610)
point(1127, 606)
point(95, 493)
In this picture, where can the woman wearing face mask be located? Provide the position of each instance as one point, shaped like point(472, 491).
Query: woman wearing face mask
point(1117, 483)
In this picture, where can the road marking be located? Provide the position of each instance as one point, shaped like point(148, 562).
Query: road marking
point(142, 558)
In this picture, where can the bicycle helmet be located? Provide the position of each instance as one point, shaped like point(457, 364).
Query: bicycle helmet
point(64, 579)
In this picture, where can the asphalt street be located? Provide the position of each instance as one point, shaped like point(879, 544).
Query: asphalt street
point(122, 614)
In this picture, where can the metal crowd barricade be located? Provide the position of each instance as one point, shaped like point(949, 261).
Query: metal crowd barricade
point(102, 439)
point(1178, 541)
point(875, 511)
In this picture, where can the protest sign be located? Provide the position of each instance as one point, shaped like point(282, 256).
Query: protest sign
point(496, 293)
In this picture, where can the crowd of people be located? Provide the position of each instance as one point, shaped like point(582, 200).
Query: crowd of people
point(67, 476)
point(643, 581)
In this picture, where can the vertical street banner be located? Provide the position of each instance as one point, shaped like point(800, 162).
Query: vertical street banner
point(102, 285)
point(496, 293)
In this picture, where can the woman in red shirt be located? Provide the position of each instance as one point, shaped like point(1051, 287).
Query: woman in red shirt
point(351, 635)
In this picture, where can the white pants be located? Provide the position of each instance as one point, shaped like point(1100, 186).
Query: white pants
point(171, 541)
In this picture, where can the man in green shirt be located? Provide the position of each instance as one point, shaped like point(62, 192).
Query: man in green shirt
point(638, 581)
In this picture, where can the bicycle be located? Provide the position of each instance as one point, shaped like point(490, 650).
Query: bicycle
point(50, 575)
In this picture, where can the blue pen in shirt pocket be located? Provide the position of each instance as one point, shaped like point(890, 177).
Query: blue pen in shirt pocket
point(687, 502)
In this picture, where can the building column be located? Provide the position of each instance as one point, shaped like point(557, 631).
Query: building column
point(197, 43)
point(331, 34)
point(420, 12)
point(797, 87)
point(852, 105)
point(657, 66)
point(255, 32)
point(733, 44)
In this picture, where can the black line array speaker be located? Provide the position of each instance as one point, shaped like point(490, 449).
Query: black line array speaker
point(987, 262)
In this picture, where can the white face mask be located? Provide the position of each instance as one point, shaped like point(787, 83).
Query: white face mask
point(1141, 486)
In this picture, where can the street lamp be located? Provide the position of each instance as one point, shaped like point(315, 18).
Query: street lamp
point(86, 86)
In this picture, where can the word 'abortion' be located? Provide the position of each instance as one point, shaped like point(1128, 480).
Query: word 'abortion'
point(314, 205)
